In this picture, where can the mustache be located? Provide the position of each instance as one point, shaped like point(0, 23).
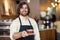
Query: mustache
point(24, 11)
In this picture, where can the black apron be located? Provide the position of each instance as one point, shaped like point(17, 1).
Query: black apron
point(25, 27)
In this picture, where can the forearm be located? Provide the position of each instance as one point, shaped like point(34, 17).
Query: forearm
point(17, 35)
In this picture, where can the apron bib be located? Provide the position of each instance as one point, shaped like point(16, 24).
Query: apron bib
point(25, 27)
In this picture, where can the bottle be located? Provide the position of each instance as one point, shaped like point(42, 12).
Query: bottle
point(52, 24)
point(39, 24)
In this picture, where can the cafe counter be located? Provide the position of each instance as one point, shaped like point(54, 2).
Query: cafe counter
point(48, 34)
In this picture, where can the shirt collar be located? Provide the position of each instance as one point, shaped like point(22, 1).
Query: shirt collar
point(26, 17)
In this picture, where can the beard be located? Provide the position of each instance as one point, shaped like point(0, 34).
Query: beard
point(24, 14)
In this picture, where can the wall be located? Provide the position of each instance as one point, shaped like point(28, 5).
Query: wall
point(34, 7)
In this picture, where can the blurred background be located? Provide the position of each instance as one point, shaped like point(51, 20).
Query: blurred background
point(45, 12)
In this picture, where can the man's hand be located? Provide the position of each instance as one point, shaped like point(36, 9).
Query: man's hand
point(24, 33)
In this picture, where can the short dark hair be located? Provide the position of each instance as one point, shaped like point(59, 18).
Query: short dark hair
point(20, 6)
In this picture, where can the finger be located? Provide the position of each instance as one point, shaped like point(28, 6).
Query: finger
point(24, 34)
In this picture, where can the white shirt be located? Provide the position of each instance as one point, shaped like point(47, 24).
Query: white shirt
point(15, 26)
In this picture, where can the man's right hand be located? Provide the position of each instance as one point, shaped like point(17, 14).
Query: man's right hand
point(24, 34)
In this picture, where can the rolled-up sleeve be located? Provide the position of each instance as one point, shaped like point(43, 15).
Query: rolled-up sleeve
point(13, 29)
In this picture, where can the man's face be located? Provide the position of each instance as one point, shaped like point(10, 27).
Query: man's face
point(24, 10)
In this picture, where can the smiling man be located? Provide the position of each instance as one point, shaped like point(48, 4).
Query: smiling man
point(24, 27)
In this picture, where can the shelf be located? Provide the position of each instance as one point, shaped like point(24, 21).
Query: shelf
point(4, 36)
point(1, 28)
point(5, 23)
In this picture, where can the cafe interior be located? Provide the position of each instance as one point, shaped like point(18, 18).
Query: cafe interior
point(45, 12)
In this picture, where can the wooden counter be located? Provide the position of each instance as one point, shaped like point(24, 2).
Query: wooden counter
point(48, 34)
point(4, 38)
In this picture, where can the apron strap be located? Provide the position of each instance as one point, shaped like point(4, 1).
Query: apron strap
point(29, 22)
point(20, 21)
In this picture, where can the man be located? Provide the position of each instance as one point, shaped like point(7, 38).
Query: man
point(24, 27)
